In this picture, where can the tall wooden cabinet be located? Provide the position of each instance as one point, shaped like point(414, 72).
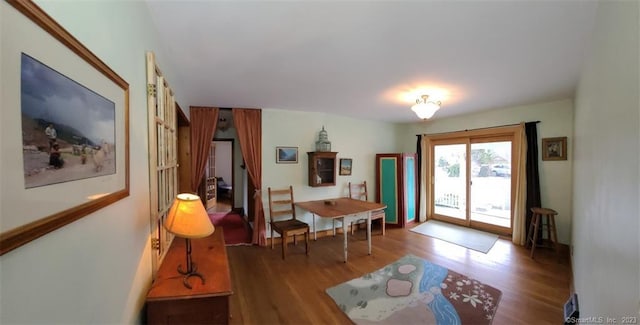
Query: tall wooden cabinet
point(322, 168)
point(396, 186)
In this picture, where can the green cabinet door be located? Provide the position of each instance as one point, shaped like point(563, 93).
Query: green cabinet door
point(396, 187)
point(389, 187)
point(410, 186)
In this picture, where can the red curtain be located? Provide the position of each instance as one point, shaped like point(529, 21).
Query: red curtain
point(248, 123)
point(203, 127)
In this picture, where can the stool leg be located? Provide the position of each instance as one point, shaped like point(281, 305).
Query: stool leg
point(556, 245)
point(530, 232)
point(548, 226)
point(536, 223)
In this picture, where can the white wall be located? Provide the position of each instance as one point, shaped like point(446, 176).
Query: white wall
point(97, 269)
point(556, 120)
point(223, 160)
point(351, 138)
point(606, 261)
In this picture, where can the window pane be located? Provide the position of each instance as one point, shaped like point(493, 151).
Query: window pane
point(491, 183)
point(450, 180)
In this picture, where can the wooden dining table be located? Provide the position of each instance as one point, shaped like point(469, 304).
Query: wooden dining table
point(345, 209)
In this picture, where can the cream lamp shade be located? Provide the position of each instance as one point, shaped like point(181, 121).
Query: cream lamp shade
point(188, 218)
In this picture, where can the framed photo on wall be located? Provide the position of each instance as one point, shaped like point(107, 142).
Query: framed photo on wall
point(554, 148)
point(286, 155)
point(65, 129)
point(345, 166)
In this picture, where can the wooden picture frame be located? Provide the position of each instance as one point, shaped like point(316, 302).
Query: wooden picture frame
point(32, 212)
point(345, 166)
point(286, 155)
point(554, 148)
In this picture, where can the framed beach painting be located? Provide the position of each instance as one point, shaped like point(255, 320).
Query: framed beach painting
point(345, 166)
point(65, 129)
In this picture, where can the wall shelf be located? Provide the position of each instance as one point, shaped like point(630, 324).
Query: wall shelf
point(322, 168)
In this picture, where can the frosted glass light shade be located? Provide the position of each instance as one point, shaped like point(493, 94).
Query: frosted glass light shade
point(188, 218)
point(425, 110)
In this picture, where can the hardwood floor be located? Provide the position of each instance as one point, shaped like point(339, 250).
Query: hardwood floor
point(222, 205)
point(268, 290)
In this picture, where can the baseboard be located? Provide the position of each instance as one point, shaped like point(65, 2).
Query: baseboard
point(565, 251)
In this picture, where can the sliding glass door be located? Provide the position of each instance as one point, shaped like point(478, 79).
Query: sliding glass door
point(490, 185)
point(450, 180)
point(471, 181)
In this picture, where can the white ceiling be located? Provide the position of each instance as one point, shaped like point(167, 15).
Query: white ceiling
point(371, 59)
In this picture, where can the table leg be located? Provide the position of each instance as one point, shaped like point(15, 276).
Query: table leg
point(344, 233)
point(315, 235)
point(369, 230)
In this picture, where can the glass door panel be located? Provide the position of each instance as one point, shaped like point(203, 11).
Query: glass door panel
point(470, 178)
point(450, 189)
point(490, 190)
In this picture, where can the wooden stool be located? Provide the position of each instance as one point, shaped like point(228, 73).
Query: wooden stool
point(536, 224)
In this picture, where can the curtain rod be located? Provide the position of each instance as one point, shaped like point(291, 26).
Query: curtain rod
point(466, 130)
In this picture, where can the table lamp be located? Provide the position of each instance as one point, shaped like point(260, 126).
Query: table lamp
point(188, 219)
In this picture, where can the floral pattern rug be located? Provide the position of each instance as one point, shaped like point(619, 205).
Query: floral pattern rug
point(415, 291)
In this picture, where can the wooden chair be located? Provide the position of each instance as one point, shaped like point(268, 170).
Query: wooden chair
point(359, 192)
point(281, 203)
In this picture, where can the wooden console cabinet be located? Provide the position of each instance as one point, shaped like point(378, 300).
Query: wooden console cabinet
point(170, 302)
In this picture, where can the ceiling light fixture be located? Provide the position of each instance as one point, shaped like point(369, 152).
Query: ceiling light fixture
point(425, 108)
point(223, 124)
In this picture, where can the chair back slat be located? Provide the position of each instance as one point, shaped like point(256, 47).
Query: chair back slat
point(281, 213)
point(281, 203)
point(358, 191)
point(281, 192)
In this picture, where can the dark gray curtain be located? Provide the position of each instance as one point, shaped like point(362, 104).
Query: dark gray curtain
point(533, 175)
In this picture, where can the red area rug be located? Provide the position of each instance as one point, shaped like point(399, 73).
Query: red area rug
point(236, 230)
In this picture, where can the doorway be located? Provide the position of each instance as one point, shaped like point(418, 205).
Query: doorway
point(471, 183)
point(224, 174)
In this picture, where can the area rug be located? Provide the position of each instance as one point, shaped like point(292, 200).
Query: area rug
point(470, 238)
point(236, 230)
point(415, 291)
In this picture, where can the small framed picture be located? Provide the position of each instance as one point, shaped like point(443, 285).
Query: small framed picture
point(286, 155)
point(554, 148)
point(345, 166)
